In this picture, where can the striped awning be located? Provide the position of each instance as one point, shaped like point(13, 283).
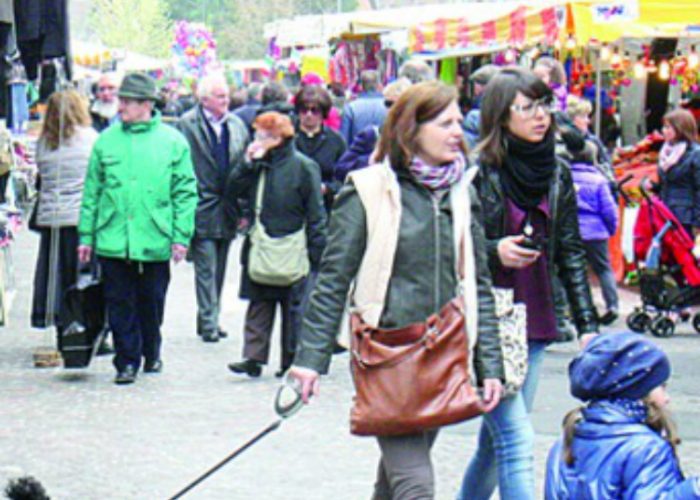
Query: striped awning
point(483, 31)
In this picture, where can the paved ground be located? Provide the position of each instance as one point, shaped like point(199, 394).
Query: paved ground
point(86, 438)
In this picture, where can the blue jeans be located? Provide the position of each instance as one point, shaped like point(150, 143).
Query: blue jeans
point(506, 440)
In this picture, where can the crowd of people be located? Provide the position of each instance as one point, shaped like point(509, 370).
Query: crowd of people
point(393, 205)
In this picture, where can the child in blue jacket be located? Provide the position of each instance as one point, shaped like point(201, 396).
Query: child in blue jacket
point(622, 444)
point(597, 218)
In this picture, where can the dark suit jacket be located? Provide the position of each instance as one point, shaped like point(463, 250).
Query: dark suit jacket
point(217, 212)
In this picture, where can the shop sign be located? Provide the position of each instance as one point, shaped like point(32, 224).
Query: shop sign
point(615, 12)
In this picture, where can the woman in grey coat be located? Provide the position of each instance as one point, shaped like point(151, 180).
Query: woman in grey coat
point(62, 156)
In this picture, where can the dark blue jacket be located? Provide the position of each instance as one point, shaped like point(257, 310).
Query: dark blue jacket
point(617, 456)
point(680, 187)
point(368, 109)
point(357, 155)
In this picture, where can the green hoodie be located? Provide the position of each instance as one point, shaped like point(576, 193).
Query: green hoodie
point(140, 192)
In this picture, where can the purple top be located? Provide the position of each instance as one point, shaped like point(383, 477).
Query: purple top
point(531, 285)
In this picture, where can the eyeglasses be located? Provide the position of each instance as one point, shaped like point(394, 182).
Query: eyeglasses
point(103, 89)
point(529, 110)
point(311, 109)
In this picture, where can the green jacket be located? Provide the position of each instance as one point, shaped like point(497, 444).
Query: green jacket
point(140, 192)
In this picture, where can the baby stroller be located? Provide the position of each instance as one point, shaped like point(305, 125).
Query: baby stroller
point(669, 276)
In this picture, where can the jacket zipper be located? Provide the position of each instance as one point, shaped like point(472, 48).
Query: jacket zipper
point(436, 209)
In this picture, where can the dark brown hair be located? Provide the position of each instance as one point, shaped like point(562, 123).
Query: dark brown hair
point(416, 106)
point(275, 123)
point(313, 95)
point(495, 109)
point(683, 122)
point(66, 110)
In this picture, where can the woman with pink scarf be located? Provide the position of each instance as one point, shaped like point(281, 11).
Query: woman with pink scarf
point(679, 169)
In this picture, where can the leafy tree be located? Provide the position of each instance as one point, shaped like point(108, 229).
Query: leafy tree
point(136, 25)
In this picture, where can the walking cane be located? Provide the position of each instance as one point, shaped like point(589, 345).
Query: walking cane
point(287, 403)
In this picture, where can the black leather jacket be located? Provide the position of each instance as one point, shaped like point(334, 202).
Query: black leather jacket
point(423, 277)
point(564, 242)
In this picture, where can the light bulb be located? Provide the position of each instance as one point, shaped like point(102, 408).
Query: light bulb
point(510, 55)
point(604, 52)
point(664, 70)
point(639, 70)
point(570, 43)
point(693, 60)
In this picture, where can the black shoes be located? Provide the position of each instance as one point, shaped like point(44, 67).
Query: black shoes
point(608, 318)
point(281, 372)
point(126, 376)
point(153, 366)
point(248, 366)
point(210, 337)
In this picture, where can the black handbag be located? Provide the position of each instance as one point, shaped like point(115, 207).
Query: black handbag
point(83, 319)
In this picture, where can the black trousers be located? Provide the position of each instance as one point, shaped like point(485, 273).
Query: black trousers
point(135, 298)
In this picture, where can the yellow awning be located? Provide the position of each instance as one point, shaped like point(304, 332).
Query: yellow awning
point(608, 21)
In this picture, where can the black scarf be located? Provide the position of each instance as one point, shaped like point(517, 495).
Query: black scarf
point(527, 169)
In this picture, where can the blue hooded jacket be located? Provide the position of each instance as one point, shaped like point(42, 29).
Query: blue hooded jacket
point(617, 456)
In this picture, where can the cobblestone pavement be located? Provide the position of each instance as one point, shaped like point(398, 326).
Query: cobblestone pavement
point(86, 438)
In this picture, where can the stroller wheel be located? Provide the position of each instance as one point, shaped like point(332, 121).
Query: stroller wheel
point(696, 322)
point(662, 327)
point(638, 321)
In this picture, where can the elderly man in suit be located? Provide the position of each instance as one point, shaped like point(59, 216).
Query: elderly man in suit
point(218, 140)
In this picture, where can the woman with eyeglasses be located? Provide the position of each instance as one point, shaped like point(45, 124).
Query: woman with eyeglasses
point(315, 140)
point(530, 219)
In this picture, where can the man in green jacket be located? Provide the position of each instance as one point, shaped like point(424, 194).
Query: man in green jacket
point(137, 212)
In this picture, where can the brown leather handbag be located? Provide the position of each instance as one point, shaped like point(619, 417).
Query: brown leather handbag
point(412, 379)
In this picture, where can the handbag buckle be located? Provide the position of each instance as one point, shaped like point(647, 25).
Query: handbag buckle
point(430, 337)
point(358, 359)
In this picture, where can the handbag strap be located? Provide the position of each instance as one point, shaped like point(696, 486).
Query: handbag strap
point(259, 196)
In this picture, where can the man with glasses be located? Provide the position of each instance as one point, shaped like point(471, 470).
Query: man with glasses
point(104, 109)
point(137, 213)
point(218, 141)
